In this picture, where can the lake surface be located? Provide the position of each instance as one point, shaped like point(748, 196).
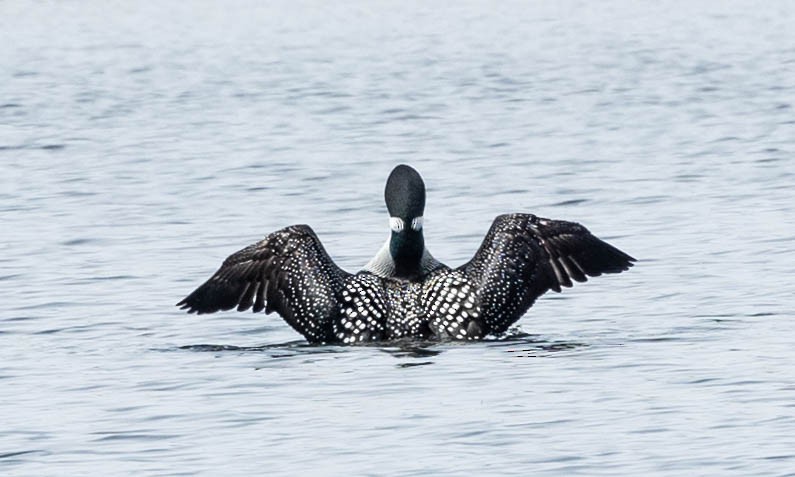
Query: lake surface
point(142, 143)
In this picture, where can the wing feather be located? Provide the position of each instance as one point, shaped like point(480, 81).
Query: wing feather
point(524, 256)
point(288, 272)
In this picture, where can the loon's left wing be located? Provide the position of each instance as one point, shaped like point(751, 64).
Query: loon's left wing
point(524, 256)
point(288, 272)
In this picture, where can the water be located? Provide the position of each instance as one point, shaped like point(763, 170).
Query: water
point(140, 144)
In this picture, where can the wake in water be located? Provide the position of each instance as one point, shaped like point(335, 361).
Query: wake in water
point(514, 341)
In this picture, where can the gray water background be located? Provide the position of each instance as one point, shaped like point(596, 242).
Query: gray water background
point(142, 143)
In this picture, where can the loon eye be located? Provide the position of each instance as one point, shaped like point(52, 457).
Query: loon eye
point(416, 223)
point(396, 224)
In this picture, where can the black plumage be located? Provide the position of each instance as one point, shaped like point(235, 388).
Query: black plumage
point(524, 256)
point(521, 258)
point(288, 272)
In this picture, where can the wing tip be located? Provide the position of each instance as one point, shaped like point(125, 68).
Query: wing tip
point(190, 305)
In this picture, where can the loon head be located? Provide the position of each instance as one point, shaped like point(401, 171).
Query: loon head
point(405, 201)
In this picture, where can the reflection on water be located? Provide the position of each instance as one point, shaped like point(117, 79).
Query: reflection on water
point(519, 343)
point(525, 345)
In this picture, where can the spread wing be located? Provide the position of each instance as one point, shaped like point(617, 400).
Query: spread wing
point(288, 272)
point(524, 256)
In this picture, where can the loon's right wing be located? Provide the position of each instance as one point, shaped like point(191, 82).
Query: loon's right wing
point(524, 256)
point(288, 272)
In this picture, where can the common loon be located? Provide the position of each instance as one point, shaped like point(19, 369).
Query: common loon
point(403, 292)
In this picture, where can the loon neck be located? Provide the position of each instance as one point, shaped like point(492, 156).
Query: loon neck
point(406, 249)
point(407, 266)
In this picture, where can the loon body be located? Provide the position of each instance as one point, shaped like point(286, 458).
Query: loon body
point(403, 292)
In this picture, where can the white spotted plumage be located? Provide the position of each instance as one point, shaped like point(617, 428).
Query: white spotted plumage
point(362, 310)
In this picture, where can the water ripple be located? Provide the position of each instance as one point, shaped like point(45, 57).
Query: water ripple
point(140, 146)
